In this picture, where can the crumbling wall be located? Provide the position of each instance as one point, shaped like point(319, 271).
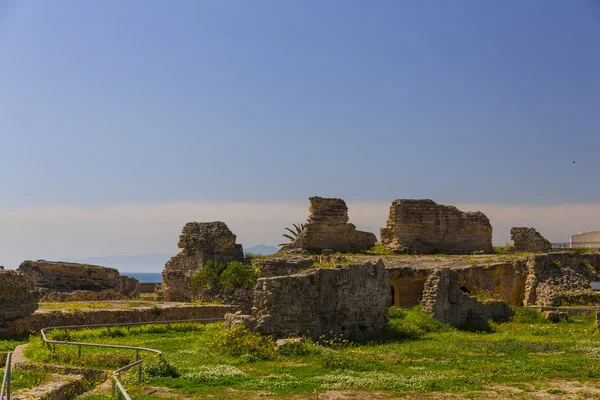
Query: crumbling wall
point(199, 242)
point(425, 227)
point(529, 240)
point(279, 266)
point(504, 281)
point(352, 301)
point(561, 278)
point(18, 296)
point(45, 318)
point(71, 281)
point(328, 228)
point(446, 302)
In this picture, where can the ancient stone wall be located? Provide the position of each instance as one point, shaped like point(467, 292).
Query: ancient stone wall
point(529, 240)
point(72, 281)
point(44, 318)
point(424, 227)
point(18, 297)
point(279, 266)
point(328, 228)
point(504, 281)
point(352, 301)
point(199, 242)
point(408, 284)
point(444, 300)
point(561, 278)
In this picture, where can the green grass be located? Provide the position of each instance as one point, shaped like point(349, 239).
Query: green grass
point(21, 380)
point(417, 354)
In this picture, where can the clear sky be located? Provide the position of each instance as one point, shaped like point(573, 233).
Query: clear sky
point(160, 102)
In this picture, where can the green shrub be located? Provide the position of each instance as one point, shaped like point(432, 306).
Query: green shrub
point(237, 275)
point(161, 369)
point(240, 342)
point(217, 274)
point(505, 249)
point(209, 275)
point(527, 315)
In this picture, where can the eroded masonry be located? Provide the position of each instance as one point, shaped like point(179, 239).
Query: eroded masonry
point(425, 227)
point(309, 288)
point(328, 228)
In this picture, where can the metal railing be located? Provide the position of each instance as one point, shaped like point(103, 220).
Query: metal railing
point(576, 245)
point(6, 379)
point(118, 388)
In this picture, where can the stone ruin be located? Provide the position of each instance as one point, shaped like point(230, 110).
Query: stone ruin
point(328, 228)
point(199, 242)
point(352, 301)
point(64, 281)
point(279, 266)
point(18, 296)
point(444, 300)
point(425, 227)
point(552, 279)
point(561, 278)
point(529, 240)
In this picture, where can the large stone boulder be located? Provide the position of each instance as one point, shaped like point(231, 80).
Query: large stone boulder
point(199, 242)
point(529, 240)
point(425, 227)
point(18, 296)
point(328, 228)
point(352, 301)
point(62, 281)
point(444, 300)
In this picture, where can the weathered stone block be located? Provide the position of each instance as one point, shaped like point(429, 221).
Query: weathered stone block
point(423, 227)
point(199, 242)
point(352, 301)
point(529, 240)
point(18, 297)
point(328, 228)
point(63, 277)
point(279, 266)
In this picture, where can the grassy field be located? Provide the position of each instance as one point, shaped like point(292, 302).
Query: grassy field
point(417, 357)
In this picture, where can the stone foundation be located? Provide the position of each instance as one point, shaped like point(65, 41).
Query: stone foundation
point(328, 228)
point(425, 227)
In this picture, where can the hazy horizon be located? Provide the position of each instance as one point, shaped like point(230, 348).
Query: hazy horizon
point(122, 121)
point(144, 229)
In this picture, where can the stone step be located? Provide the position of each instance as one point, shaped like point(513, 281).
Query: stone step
point(61, 387)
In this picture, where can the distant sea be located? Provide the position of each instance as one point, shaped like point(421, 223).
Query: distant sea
point(144, 277)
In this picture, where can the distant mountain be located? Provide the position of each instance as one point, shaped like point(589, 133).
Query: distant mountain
point(135, 263)
point(262, 249)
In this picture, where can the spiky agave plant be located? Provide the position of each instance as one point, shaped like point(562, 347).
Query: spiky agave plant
point(298, 228)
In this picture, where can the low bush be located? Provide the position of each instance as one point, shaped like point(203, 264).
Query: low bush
point(239, 342)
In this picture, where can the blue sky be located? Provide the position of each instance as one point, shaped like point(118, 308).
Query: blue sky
point(152, 102)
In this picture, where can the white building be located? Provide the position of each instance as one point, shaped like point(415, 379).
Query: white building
point(587, 239)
